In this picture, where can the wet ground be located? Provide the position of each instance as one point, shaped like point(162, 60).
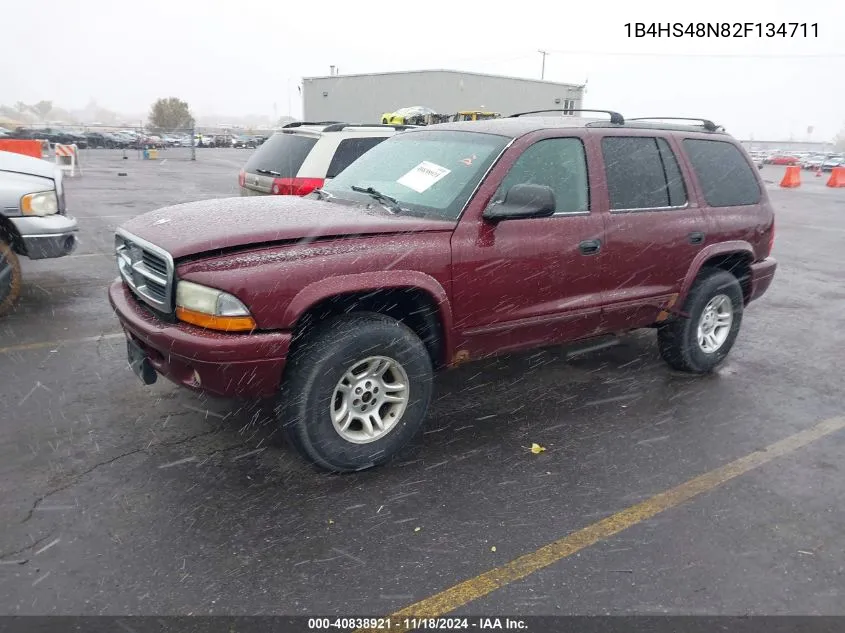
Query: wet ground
point(117, 498)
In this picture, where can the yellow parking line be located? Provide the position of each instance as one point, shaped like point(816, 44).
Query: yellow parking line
point(488, 582)
point(30, 346)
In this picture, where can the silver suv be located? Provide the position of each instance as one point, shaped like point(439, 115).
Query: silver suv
point(33, 219)
point(304, 155)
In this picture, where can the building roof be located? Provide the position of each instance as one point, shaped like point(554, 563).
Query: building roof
point(454, 72)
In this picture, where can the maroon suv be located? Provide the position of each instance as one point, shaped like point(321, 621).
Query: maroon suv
point(441, 245)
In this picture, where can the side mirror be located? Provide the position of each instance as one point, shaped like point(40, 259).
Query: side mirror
point(523, 202)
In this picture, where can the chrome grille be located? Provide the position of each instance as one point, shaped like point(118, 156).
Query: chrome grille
point(146, 269)
point(154, 262)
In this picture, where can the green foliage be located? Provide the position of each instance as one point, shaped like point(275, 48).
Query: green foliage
point(170, 114)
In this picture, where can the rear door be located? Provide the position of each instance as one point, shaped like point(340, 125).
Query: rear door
point(654, 227)
point(732, 191)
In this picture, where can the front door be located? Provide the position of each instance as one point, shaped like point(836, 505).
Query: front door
point(654, 229)
point(528, 282)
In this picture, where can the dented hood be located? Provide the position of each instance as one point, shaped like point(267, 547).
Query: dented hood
point(209, 225)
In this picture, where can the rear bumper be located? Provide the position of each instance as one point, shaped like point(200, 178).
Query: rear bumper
point(228, 365)
point(48, 236)
point(762, 274)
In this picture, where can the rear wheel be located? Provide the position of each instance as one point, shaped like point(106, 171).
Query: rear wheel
point(699, 342)
point(356, 391)
point(10, 278)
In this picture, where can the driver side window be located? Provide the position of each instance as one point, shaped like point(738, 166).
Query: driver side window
point(559, 163)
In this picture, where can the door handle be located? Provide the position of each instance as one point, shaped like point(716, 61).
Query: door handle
point(589, 247)
point(696, 237)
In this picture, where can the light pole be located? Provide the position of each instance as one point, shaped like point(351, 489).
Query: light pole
point(543, 67)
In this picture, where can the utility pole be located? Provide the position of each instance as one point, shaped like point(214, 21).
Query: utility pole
point(543, 67)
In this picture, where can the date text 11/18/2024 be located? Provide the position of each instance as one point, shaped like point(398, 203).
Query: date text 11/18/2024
point(417, 624)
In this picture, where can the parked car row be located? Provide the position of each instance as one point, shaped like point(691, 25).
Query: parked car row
point(824, 162)
point(239, 141)
point(64, 137)
point(806, 160)
point(131, 139)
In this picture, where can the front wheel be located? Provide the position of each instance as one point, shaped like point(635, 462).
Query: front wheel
point(10, 278)
point(699, 342)
point(356, 391)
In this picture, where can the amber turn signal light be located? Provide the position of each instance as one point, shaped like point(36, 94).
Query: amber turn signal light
point(221, 323)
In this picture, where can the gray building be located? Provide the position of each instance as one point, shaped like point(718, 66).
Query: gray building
point(790, 146)
point(364, 98)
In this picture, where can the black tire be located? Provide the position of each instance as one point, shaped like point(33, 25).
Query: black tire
point(10, 278)
point(315, 369)
point(678, 340)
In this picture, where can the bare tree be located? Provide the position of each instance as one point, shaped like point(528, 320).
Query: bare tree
point(42, 108)
point(839, 141)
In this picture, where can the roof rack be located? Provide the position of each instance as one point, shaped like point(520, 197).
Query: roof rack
point(615, 117)
point(301, 123)
point(337, 127)
point(706, 123)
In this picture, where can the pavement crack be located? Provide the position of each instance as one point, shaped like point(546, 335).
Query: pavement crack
point(21, 550)
point(189, 438)
point(76, 478)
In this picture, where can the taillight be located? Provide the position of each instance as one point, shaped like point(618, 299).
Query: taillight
point(242, 178)
point(295, 186)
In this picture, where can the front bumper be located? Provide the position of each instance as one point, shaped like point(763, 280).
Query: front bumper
point(228, 365)
point(762, 274)
point(48, 236)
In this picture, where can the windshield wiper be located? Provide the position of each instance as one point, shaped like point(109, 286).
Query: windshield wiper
point(323, 194)
point(269, 172)
point(391, 204)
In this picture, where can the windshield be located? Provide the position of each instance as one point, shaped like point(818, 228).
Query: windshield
point(430, 173)
point(282, 154)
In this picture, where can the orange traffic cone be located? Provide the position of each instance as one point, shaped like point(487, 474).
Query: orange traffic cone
point(837, 177)
point(792, 177)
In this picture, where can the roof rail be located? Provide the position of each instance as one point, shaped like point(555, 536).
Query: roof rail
point(615, 117)
point(301, 123)
point(337, 127)
point(707, 123)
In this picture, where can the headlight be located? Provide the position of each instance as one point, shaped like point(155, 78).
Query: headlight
point(211, 308)
point(43, 203)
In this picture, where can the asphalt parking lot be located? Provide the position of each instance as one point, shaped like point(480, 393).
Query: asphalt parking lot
point(117, 498)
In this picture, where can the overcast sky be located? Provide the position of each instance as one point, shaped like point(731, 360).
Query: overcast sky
point(235, 58)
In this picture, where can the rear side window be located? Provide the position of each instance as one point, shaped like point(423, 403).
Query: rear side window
point(281, 155)
point(726, 178)
point(642, 173)
point(348, 151)
point(558, 163)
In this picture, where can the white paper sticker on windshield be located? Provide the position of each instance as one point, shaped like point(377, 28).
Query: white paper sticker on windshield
point(423, 176)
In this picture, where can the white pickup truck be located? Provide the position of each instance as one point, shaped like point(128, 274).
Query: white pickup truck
point(33, 219)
